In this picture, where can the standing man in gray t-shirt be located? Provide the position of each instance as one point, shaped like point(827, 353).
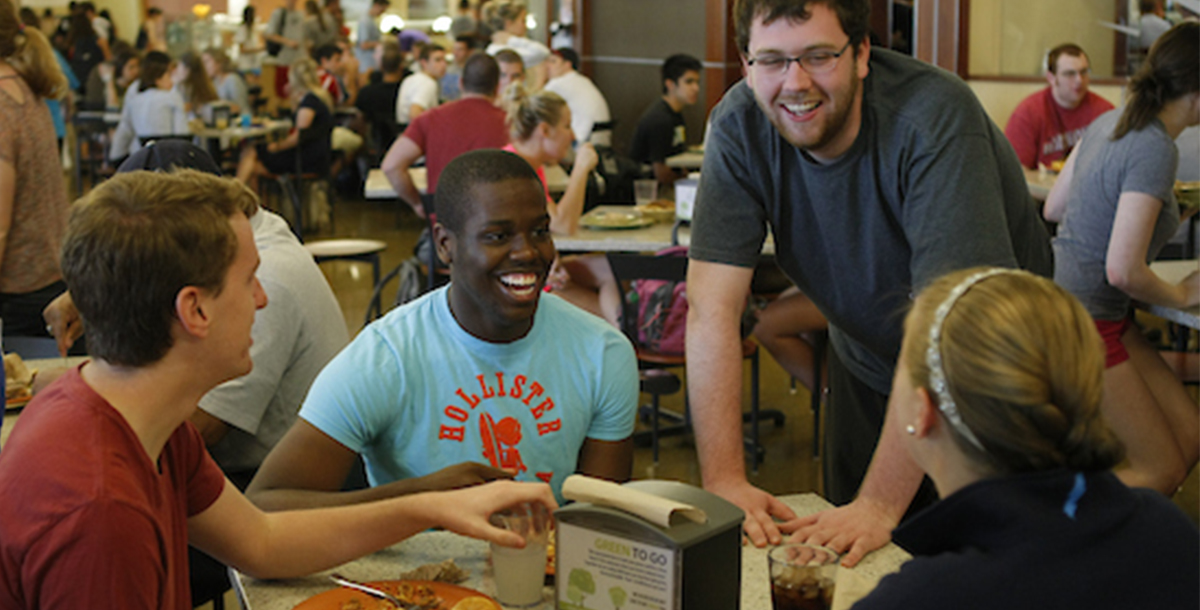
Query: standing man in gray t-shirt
point(877, 174)
point(369, 37)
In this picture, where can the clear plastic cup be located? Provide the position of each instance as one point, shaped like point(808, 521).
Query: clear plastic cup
point(645, 191)
point(520, 574)
point(803, 576)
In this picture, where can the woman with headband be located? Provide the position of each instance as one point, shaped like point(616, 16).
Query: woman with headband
point(1117, 209)
point(997, 397)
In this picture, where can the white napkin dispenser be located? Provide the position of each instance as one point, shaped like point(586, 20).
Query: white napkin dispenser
point(627, 561)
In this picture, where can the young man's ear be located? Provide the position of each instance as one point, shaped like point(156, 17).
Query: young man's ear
point(190, 311)
point(443, 240)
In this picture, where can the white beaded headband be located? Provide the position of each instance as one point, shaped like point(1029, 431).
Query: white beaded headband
point(933, 354)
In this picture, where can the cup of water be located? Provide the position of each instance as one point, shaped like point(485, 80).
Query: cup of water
point(645, 191)
point(520, 574)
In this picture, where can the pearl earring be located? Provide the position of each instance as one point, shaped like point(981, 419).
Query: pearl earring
point(911, 429)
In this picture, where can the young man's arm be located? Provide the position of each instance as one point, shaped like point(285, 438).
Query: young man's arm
point(307, 469)
point(296, 543)
point(611, 460)
point(716, 297)
point(399, 158)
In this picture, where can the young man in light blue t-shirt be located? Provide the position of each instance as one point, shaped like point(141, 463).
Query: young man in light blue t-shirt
point(487, 378)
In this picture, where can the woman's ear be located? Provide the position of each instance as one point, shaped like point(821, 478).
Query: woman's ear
point(927, 414)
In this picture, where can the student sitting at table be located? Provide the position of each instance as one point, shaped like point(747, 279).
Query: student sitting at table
point(486, 369)
point(997, 397)
point(310, 138)
point(540, 127)
point(661, 132)
point(193, 83)
point(228, 83)
point(152, 108)
point(114, 482)
point(1115, 203)
point(440, 135)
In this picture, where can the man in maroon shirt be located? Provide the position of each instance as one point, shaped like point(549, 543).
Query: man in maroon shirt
point(1048, 124)
point(105, 480)
point(448, 131)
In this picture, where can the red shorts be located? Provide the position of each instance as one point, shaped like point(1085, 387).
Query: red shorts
point(1111, 332)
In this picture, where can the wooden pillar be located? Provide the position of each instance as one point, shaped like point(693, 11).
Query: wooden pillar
point(722, 58)
point(940, 33)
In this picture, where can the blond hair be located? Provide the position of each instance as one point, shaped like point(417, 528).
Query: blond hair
point(497, 14)
point(29, 53)
point(1024, 363)
point(525, 111)
point(304, 71)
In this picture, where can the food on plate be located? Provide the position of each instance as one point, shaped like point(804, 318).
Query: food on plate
point(18, 379)
point(1188, 194)
point(417, 594)
point(475, 603)
point(1056, 166)
point(550, 555)
point(660, 210)
point(446, 571)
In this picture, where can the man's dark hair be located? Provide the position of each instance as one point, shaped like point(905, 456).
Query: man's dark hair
point(568, 54)
point(854, 15)
point(427, 50)
point(88, 7)
point(154, 11)
point(134, 242)
point(480, 74)
point(467, 39)
point(326, 51)
point(677, 65)
point(454, 200)
point(154, 65)
point(392, 59)
point(1069, 48)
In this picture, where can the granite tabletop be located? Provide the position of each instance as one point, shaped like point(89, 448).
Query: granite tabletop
point(470, 554)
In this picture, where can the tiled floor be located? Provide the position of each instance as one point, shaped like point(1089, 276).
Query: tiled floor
point(789, 466)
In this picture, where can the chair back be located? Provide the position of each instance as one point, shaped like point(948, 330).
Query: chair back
point(627, 267)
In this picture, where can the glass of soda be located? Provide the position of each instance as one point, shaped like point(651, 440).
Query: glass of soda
point(803, 576)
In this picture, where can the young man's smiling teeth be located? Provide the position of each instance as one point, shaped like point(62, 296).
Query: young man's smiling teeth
point(802, 107)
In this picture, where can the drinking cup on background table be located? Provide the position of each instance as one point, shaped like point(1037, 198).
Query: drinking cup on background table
point(520, 574)
point(645, 191)
point(803, 576)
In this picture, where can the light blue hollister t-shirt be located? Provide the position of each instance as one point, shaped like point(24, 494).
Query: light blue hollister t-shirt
point(415, 393)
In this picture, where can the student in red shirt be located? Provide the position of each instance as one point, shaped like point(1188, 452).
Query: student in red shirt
point(1048, 124)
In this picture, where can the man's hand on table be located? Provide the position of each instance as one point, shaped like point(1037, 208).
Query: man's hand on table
point(761, 510)
point(854, 529)
point(467, 511)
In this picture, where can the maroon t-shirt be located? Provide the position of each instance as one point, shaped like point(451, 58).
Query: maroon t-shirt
point(1041, 131)
point(87, 520)
point(453, 129)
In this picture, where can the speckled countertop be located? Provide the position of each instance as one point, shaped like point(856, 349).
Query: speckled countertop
point(471, 555)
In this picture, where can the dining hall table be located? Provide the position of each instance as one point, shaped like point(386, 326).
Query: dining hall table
point(472, 555)
point(378, 187)
point(1173, 272)
point(649, 238)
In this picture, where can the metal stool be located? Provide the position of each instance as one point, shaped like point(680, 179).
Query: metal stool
point(357, 250)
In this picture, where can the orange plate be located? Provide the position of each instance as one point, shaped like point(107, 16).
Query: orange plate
point(336, 598)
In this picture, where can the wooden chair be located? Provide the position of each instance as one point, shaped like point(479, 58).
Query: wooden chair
point(628, 267)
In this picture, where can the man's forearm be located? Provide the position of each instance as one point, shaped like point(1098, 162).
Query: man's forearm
point(402, 183)
point(714, 373)
point(893, 477)
point(272, 500)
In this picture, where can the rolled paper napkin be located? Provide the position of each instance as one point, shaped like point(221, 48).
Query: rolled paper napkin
point(655, 509)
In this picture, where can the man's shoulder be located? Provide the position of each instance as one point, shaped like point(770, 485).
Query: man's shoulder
point(571, 324)
point(915, 95)
point(1032, 106)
